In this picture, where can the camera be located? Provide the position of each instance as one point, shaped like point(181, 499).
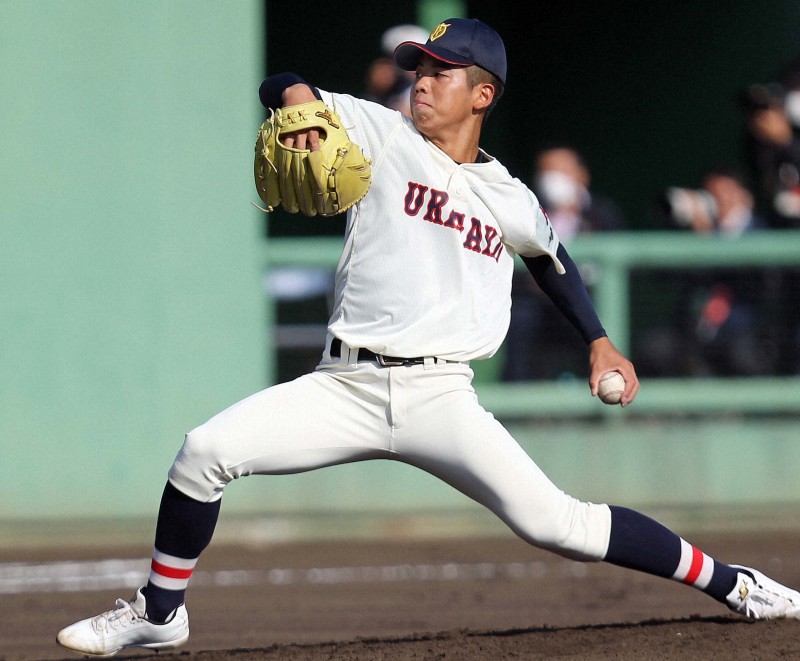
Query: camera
point(684, 206)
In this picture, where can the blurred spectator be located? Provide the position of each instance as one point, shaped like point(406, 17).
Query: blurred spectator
point(561, 181)
point(723, 205)
point(720, 329)
point(382, 81)
point(772, 115)
point(787, 204)
point(536, 338)
point(385, 82)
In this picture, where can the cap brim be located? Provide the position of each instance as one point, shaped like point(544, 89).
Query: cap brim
point(407, 55)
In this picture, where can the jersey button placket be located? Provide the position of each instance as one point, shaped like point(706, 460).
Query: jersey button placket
point(456, 183)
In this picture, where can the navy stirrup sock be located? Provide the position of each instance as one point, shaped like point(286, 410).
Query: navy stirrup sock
point(184, 529)
point(638, 542)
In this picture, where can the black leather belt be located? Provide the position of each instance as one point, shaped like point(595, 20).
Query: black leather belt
point(366, 354)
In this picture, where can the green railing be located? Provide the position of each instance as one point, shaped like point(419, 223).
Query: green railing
point(613, 257)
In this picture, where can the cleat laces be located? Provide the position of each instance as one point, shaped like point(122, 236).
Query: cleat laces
point(116, 619)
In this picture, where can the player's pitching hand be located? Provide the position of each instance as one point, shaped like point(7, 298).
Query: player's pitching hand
point(604, 357)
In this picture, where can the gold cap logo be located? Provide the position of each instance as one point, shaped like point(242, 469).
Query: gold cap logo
point(438, 31)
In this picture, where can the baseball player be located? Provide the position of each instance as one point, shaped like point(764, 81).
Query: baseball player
point(422, 289)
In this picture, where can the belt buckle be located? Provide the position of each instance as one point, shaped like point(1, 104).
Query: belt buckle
point(383, 362)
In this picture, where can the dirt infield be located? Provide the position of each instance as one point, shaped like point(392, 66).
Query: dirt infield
point(483, 598)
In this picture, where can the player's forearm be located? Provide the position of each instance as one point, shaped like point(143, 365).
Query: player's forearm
point(285, 89)
point(567, 292)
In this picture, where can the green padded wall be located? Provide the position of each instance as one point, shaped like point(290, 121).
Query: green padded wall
point(130, 299)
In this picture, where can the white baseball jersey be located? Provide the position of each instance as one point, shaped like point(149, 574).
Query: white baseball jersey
point(428, 255)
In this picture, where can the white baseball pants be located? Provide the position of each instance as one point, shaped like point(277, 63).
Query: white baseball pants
point(427, 416)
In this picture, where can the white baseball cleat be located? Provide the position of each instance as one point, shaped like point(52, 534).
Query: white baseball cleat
point(760, 598)
point(125, 626)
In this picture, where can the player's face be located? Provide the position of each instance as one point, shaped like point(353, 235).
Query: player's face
point(440, 96)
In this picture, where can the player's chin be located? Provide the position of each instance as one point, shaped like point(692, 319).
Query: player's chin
point(421, 113)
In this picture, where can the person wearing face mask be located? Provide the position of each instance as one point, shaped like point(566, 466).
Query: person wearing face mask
point(772, 144)
point(791, 199)
point(561, 180)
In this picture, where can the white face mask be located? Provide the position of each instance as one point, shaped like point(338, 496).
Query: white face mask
point(557, 189)
point(792, 106)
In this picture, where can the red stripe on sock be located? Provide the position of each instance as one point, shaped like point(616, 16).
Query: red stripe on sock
point(696, 567)
point(170, 572)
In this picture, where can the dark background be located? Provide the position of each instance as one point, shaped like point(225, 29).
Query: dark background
point(646, 90)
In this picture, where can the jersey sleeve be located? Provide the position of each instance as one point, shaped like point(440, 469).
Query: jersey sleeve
point(528, 230)
point(370, 125)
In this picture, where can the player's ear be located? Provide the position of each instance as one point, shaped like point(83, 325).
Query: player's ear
point(484, 94)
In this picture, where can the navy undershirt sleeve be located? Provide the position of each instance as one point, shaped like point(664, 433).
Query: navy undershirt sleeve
point(567, 292)
point(271, 90)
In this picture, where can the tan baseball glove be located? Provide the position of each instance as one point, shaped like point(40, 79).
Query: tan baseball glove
point(324, 182)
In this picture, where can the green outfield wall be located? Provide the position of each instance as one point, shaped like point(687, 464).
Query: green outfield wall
point(131, 256)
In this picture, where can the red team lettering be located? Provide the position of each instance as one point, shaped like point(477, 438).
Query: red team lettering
point(438, 200)
point(414, 198)
point(482, 239)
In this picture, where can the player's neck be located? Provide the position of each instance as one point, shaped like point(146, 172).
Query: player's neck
point(462, 147)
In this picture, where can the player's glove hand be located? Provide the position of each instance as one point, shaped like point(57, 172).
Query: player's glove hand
point(326, 182)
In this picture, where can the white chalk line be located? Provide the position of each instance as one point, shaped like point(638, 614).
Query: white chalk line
point(91, 576)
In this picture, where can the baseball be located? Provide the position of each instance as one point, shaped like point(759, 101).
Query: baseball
point(611, 387)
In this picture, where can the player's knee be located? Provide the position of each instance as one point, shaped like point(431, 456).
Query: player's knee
point(580, 531)
point(199, 470)
point(199, 448)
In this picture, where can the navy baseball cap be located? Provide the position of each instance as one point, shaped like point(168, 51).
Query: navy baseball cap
point(460, 41)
